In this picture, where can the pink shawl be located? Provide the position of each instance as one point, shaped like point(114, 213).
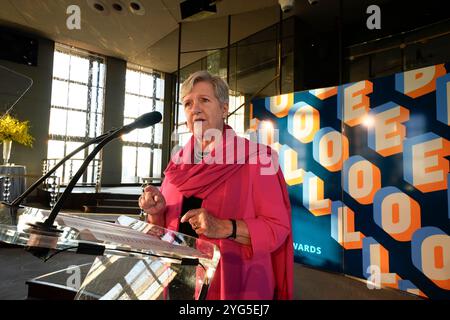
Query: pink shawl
point(271, 233)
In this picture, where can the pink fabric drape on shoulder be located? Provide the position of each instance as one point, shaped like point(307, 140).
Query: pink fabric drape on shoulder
point(240, 191)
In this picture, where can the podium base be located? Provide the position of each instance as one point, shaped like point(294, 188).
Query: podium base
point(58, 285)
point(38, 290)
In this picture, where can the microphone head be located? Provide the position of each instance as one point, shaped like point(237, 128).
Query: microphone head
point(146, 120)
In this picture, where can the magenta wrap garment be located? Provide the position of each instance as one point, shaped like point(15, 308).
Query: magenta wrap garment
point(240, 191)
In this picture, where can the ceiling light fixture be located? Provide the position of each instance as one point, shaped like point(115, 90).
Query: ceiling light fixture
point(136, 8)
point(117, 6)
point(286, 5)
point(99, 7)
point(197, 9)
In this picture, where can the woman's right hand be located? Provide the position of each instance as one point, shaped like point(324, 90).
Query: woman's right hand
point(152, 201)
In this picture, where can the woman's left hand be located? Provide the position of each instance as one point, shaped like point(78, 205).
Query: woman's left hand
point(204, 223)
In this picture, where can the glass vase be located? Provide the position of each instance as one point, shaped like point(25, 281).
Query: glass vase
point(6, 151)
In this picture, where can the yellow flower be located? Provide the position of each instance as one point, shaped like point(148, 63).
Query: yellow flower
point(15, 130)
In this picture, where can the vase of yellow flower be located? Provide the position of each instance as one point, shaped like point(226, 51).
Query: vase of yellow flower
point(11, 129)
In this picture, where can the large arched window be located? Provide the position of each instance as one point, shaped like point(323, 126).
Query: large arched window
point(76, 113)
point(142, 149)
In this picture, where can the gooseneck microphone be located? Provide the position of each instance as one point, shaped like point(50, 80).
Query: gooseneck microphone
point(15, 204)
point(47, 228)
point(141, 122)
point(17, 201)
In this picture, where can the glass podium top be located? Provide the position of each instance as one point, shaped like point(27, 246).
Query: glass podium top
point(135, 259)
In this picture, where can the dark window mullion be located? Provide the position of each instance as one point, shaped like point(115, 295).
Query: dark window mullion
point(67, 108)
point(142, 145)
point(62, 138)
point(65, 133)
point(70, 81)
point(136, 162)
point(88, 115)
point(97, 91)
point(138, 95)
point(153, 130)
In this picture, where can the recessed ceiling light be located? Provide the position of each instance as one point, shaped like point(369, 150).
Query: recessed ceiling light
point(98, 6)
point(117, 6)
point(136, 7)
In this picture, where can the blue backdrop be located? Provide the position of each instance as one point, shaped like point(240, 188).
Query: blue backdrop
point(366, 165)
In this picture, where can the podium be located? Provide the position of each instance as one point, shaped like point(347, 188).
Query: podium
point(134, 260)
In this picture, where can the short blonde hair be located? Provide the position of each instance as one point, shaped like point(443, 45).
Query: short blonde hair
point(220, 86)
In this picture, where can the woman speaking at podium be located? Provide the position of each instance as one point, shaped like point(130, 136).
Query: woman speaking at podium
point(230, 195)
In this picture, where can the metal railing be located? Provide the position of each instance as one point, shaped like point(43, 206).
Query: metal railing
point(92, 177)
